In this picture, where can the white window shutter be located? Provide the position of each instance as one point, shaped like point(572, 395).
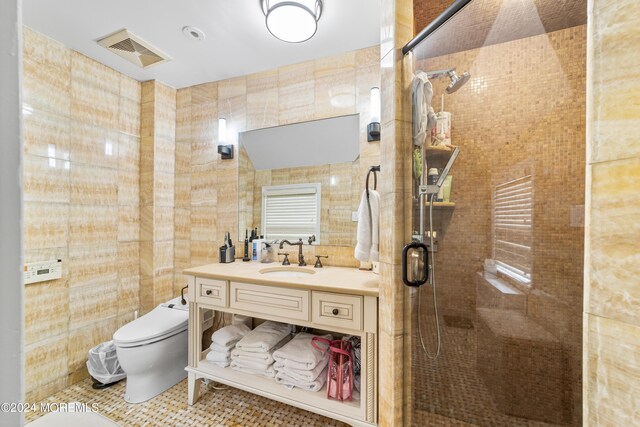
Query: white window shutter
point(291, 211)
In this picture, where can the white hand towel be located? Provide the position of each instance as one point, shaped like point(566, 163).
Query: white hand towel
point(262, 358)
point(303, 374)
point(217, 356)
point(269, 372)
point(223, 349)
point(299, 353)
point(229, 334)
point(250, 364)
point(264, 337)
point(222, 364)
point(367, 248)
point(315, 385)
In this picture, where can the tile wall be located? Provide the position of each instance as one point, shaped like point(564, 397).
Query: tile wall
point(612, 291)
point(206, 187)
point(81, 205)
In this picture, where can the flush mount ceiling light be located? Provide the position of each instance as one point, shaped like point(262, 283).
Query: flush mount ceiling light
point(292, 21)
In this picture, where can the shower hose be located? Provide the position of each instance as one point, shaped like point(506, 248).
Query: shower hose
point(432, 282)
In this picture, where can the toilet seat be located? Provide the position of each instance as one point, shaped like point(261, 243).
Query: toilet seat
point(160, 323)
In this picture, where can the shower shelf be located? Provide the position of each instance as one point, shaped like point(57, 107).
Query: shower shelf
point(439, 205)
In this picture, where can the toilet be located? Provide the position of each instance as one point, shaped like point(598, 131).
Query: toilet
point(152, 350)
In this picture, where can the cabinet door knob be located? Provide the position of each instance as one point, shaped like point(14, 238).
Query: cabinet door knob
point(208, 292)
point(335, 311)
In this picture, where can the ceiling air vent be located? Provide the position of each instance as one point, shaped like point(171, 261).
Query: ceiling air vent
point(133, 49)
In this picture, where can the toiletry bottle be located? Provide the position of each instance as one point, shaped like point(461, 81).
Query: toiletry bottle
point(432, 176)
point(246, 247)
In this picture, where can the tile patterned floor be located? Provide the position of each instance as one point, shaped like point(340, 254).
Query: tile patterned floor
point(226, 407)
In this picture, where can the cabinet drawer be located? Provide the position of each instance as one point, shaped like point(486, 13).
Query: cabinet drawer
point(281, 302)
point(339, 310)
point(212, 292)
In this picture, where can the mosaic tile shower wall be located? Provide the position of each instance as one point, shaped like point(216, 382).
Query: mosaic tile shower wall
point(510, 357)
point(81, 192)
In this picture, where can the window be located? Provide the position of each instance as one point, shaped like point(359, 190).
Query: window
point(512, 228)
point(291, 211)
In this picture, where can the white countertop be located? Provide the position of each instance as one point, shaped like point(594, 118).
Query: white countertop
point(330, 279)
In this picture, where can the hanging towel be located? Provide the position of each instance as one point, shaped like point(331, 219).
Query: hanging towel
point(303, 374)
point(315, 385)
point(230, 334)
point(368, 234)
point(424, 118)
point(269, 372)
point(299, 353)
point(264, 337)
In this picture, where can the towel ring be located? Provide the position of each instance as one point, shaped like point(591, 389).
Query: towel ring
point(373, 169)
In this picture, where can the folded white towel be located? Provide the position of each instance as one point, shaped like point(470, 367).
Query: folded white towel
point(299, 353)
point(218, 356)
point(315, 385)
point(269, 372)
point(264, 337)
point(223, 349)
point(239, 318)
point(222, 364)
point(230, 334)
point(368, 233)
point(263, 358)
point(251, 364)
point(303, 374)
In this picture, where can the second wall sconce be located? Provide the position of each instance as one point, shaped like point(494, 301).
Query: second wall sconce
point(373, 128)
point(225, 150)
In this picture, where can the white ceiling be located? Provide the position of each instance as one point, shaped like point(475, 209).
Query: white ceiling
point(237, 40)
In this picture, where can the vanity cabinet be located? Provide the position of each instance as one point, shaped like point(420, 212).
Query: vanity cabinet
point(342, 301)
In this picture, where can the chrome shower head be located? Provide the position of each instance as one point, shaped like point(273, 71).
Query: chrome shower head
point(457, 81)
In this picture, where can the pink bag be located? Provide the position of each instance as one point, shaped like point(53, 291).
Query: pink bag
point(340, 369)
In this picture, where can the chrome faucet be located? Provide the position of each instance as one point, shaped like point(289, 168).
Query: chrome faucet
point(299, 243)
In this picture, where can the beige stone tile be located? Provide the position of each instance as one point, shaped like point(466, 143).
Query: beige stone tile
point(46, 309)
point(368, 57)
point(162, 224)
point(183, 158)
point(296, 102)
point(205, 93)
point(94, 106)
point(183, 190)
point(46, 135)
point(130, 89)
point(183, 98)
point(163, 258)
point(335, 94)
point(93, 265)
point(45, 362)
point(93, 146)
point(203, 186)
point(163, 288)
point(83, 339)
point(234, 110)
point(129, 153)
point(335, 64)
point(46, 87)
point(262, 81)
point(231, 88)
point(165, 95)
point(203, 252)
point(46, 225)
point(128, 188)
point(183, 123)
point(203, 151)
point(146, 294)
point(146, 261)
point(165, 122)
point(93, 73)
point(91, 185)
point(614, 235)
point(92, 225)
point(262, 109)
point(203, 223)
point(163, 189)
point(164, 155)
point(91, 304)
point(128, 295)
point(46, 179)
point(612, 367)
point(128, 259)
point(182, 224)
point(40, 48)
point(148, 92)
point(147, 118)
point(182, 255)
point(129, 116)
point(128, 223)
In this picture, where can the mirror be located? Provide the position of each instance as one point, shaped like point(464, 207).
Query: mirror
point(299, 180)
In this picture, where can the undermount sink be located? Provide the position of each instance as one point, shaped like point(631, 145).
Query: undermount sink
point(287, 271)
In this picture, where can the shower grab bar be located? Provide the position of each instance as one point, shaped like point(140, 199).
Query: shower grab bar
point(455, 7)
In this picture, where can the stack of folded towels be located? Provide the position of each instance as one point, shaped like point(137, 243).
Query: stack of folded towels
point(254, 352)
point(223, 341)
point(299, 364)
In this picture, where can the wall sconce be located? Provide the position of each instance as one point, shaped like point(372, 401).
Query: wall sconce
point(225, 150)
point(373, 128)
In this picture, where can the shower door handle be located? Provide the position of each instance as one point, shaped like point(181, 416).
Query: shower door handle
point(425, 260)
